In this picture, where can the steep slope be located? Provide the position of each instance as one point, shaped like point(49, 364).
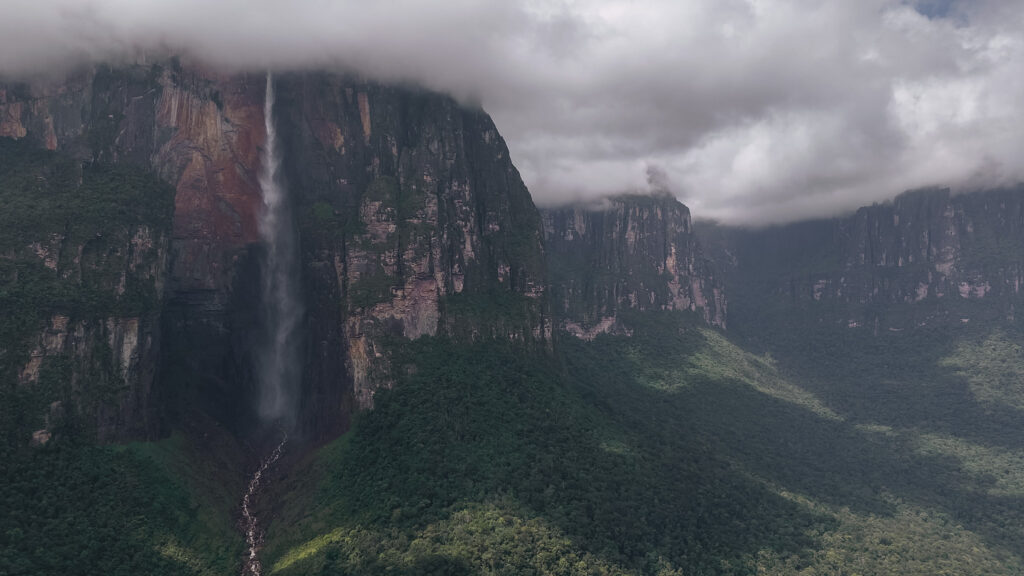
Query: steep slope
point(629, 253)
point(199, 132)
point(500, 462)
point(901, 315)
point(666, 448)
point(84, 259)
point(661, 448)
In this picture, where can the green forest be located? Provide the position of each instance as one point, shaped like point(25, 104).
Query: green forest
point(673, 451)
point(156, 508)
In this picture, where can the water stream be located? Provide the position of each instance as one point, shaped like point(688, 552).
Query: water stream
point(253, 533)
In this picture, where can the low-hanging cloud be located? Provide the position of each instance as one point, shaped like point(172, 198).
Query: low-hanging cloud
point(753, 111)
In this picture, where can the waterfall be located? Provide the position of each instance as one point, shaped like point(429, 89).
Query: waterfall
point(277, 357)
point(277, 362)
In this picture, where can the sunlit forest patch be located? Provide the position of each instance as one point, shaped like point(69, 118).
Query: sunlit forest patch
point(994, 367)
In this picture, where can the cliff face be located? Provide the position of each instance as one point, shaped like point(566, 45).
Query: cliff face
point(200, 132)
point(83, 262)
point(925, 258)
point(412, 220)
point(637, 252)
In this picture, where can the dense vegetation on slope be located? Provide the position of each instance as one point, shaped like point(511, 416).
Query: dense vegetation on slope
point(488, 459)
point(672, 451)
point(144, 508)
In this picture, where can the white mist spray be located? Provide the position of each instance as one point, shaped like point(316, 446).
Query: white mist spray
point(277, 363)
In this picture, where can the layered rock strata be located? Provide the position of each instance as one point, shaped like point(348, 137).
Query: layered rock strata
point(629, 252)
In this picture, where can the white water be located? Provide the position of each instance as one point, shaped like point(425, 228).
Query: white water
point(253, 534)
point(277, 360)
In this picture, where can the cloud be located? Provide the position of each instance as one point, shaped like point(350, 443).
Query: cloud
point(752, 111)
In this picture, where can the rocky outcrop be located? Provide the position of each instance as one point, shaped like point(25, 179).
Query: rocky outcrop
point(199, 131)
point(83, 267)
point(927, 257)
point(105, 369)
point(631, 252)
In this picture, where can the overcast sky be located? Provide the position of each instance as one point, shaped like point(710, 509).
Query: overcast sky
point(752, 111)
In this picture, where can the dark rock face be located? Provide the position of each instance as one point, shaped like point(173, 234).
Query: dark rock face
point(412, 220)
point(926, 257)
point(200, 132)
point(636, 252)
point(83, 268)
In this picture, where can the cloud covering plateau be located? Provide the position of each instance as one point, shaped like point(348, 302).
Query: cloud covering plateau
point(750, 111)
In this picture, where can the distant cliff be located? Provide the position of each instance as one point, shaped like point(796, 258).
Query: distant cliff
point(927, 257)
point(412, 221)
point(632, 252)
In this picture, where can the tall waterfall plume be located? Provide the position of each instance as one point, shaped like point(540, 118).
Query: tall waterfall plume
point(278, 357)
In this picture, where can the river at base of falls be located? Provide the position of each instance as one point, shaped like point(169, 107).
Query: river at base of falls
point(253, 533)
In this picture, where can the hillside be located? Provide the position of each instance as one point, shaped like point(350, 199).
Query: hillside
point(671, 451)
point(485, 388)
point(670, 448)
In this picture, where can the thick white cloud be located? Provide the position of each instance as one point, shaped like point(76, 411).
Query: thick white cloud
point(754, 110)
